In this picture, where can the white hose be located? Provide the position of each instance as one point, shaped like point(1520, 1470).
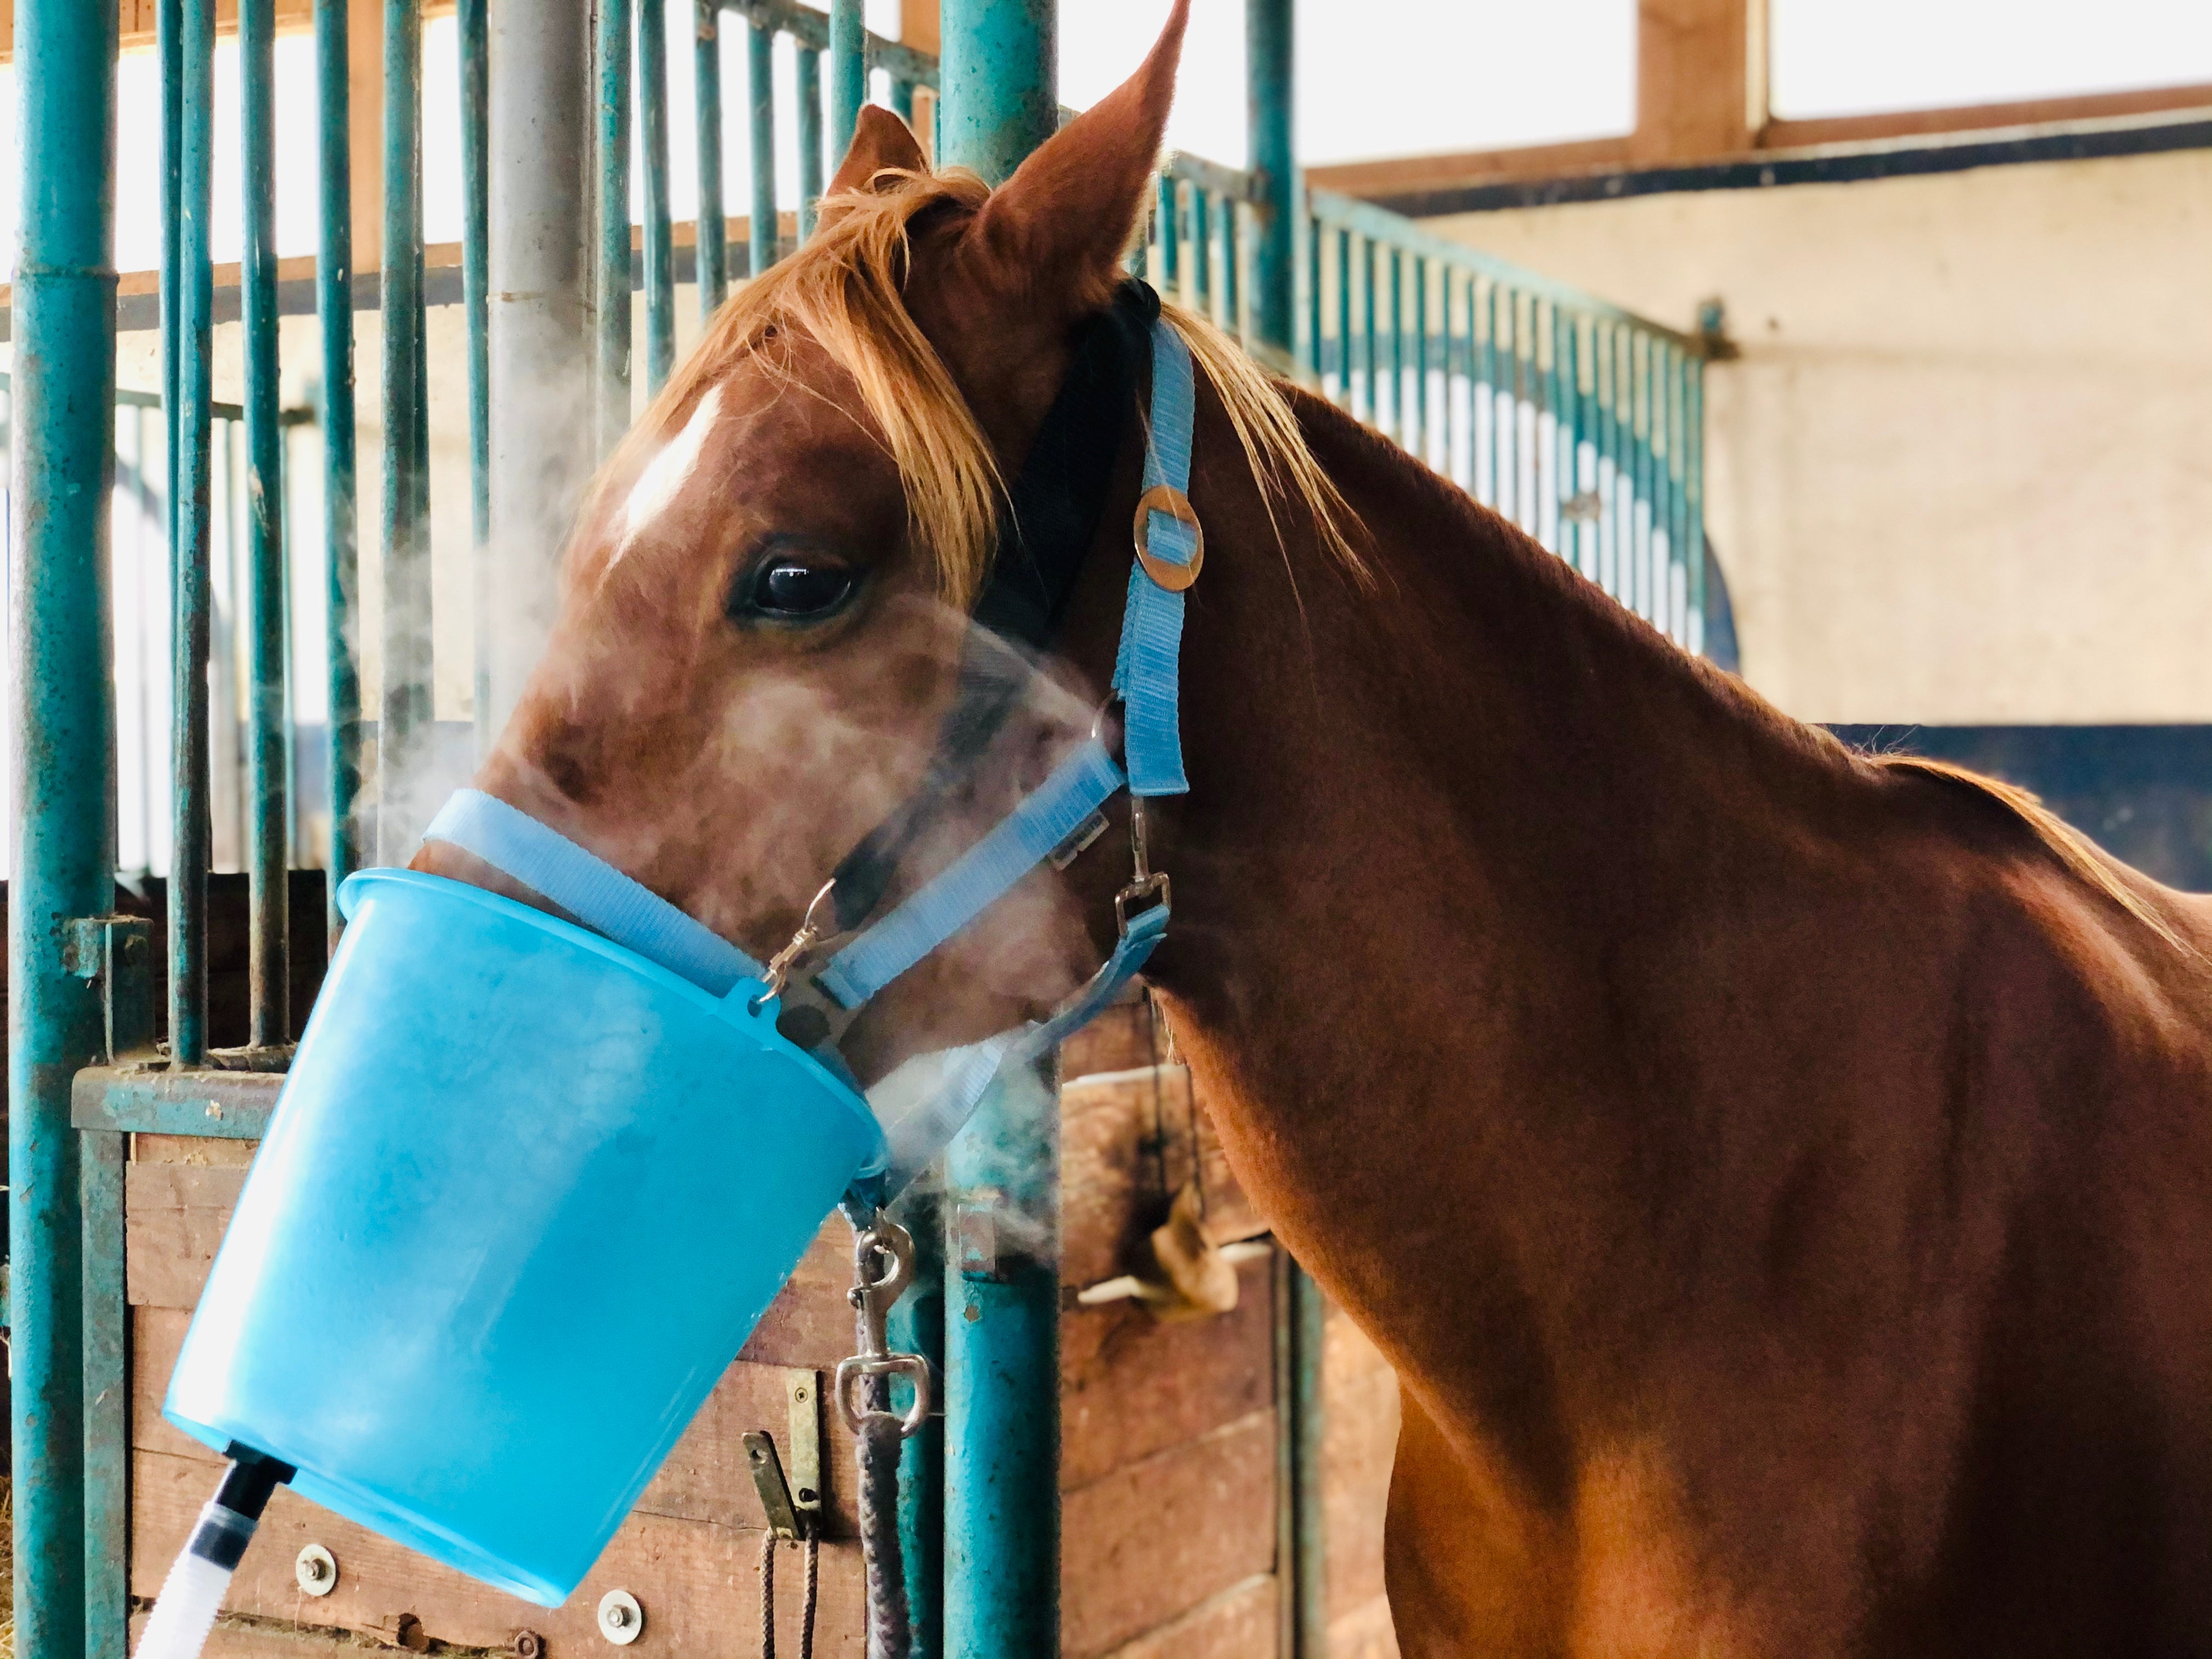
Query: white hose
point(192, 1594)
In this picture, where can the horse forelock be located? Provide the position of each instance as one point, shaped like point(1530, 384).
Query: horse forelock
point(844, 290)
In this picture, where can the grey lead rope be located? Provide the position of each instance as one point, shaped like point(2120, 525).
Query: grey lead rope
point(876, 1450)
point(883, 1266)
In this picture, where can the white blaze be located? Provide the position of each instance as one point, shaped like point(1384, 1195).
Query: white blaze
point(666, 474)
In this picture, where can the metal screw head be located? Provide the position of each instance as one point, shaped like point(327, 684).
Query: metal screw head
point(622, 1621)
point(529, 1644)
point(317, 1571)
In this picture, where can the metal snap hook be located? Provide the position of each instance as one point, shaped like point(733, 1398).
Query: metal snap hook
point(779, 965)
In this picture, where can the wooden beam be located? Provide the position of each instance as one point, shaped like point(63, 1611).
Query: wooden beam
point(918, 27)
point(1486, 167)
point(365, 129)
point(135, 19)
point(1981, 118)
point(1701, 80)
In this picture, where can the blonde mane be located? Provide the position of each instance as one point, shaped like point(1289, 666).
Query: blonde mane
point(842, 290)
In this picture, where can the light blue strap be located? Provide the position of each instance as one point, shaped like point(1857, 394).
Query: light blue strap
point(1145, 671)
point(956, 895)
point(591, 889)
point(916, 1139)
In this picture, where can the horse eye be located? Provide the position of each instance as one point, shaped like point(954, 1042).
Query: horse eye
point(794, 588)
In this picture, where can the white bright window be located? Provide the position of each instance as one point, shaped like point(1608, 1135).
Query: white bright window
point(1869, 57)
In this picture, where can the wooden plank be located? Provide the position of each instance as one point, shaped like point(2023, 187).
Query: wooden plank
point(1401, 174)
point(174, 1215)
point(1237, 1624)
point(811, 1323)
point(1982, 118)
point(1123, 1036)
point(1157, 1538)
point(1700, 78)
point(1130, 1386)
point(206, 1150)
point(706, 1478)
point(696, 1582)
point(1125, 1141)
point(1359, 1441)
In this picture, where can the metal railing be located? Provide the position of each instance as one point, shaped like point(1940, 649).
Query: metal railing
point(1580, 421)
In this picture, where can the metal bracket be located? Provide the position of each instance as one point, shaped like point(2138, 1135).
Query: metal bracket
point(775, 1491)
point(803, 1392)
point(119, 952)
point(976, 1236)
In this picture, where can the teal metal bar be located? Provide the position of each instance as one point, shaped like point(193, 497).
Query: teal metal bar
point(610, 68)
point(268, 812)
point(474, 29)
point(902, 99)
point(1232, 295)
point(810, 138)
point(106, 1390)
point(1640, 383)
point(917, 1326)
point(848, 74)
point(1308, 1563)
point(1369, 355)
point(998, 76)
point(659, 222)
point(713, 261)
point(1270, 102)
point(1200, 298)
point(1694, 495)
point(190, 300)
point(1312, 244)
point(341, 521)
point(168, 52)
point(1662, 492)
point(760, 101)
point(1170, 226)
point(1612, 566)
point(1399, 427)
point(1344, 315)
point(219, 1105)
point(1423, 439)
point(403, 727)
point(63, 728)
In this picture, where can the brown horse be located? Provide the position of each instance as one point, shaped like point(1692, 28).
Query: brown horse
point(1781, 1179)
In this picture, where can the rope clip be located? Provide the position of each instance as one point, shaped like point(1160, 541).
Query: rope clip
point(887, 1244)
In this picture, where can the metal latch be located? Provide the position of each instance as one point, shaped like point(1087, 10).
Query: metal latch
point(117, 951)
point(793, 1504)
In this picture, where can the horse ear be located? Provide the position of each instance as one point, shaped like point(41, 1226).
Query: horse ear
point(881, 142)
point(1053, 236)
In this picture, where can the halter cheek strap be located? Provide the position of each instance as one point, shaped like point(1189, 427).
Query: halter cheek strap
point(1053, 816)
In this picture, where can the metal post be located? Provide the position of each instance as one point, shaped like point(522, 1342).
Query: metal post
point(340, 523)
point(270, 1002)
point(1270, 109)
point(611, 287)
point(760, 104)
point(1308, 1557)
point(917, 1326)
point(706, 80)
point(848, 73)
point(998, 78)
point(403, 727)
point(539, 154)
point(810, 138)
point(63, 748)
point(1001, 1577)
point(660, 231)
point(189, 300)
point(475, 31)
point(998, 82)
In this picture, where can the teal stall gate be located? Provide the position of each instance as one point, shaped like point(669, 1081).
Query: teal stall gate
point(1580, 421)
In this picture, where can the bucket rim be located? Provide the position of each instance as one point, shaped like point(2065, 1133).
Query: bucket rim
point(731, 1009)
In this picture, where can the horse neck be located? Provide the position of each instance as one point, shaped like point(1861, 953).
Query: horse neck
point(1448, 841)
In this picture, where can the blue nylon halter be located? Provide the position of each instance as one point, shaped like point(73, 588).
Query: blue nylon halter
point(1145, 673)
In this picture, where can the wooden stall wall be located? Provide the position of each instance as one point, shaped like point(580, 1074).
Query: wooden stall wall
point(1169, 1438)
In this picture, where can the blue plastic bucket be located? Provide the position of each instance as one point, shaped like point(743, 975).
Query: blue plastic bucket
point(523, 1200)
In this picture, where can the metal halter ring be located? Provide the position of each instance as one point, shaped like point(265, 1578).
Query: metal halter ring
point(1166, 498)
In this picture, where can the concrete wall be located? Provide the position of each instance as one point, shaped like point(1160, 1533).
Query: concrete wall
point(1962, 472)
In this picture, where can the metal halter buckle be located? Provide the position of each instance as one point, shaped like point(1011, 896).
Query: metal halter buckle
point(1166, 498)
point(890, 1243)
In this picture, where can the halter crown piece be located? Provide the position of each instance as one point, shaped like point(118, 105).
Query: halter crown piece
point(1057, 815)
